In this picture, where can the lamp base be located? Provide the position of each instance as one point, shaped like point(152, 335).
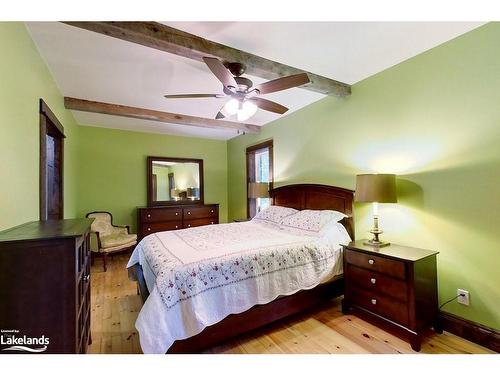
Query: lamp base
point(374, 243)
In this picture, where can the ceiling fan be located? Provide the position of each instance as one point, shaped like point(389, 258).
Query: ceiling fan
point(244, 98)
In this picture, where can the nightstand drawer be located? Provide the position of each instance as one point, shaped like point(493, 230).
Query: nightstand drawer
point(376, 282)
point(384, 306)
point(375, 263)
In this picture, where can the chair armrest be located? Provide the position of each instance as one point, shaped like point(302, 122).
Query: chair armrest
point(123, 226)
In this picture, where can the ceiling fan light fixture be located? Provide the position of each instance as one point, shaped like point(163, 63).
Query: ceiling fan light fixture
point(231, 107)
point(247, 110)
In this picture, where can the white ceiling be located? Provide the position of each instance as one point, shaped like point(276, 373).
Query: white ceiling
point(92, 66)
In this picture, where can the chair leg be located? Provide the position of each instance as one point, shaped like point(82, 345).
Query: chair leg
point(92, 258)
point(105, 257)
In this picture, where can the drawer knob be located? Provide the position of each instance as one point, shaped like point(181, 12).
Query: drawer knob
point(189, 225)
point(211, 211)
point(176, 226)
point(373, 280)
point(189, 212)
point(149, 215)
point(211, 222)
point(176, 213)
point(149, 229)
point(371, 261)
point(374, 301)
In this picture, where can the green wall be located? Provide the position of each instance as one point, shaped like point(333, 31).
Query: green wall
point(24, 79)
point(435, 121)
point(112, 172)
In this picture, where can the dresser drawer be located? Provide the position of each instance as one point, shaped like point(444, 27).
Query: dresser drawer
point(200, 212)
point(161, 214)
point(384, 306)
point(199, 222)
point(375, 263)
point(376, 282)
point(149, 228)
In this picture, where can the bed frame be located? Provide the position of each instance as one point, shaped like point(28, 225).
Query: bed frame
point(300, 196)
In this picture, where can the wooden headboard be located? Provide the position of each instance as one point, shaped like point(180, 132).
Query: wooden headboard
point(316, 197)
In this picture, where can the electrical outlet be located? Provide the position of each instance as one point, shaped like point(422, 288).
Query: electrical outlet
point(463, 298)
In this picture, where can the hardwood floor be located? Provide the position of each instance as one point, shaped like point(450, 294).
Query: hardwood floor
point(115, 306)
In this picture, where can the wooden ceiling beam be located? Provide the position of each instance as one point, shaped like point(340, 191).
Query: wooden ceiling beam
point(168, 39)
point(148, 114)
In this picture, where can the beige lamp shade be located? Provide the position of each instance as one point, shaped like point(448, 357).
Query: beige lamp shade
point(258, 190)
point(379, 188)
point(174, 193)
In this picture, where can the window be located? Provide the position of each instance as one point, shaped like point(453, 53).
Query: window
point(259, 170)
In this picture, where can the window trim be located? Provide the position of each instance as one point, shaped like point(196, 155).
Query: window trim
point(252, 150)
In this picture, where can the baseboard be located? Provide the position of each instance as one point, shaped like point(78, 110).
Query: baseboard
point(472, 331)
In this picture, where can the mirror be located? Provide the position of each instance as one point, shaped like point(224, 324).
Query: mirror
point(173, 181)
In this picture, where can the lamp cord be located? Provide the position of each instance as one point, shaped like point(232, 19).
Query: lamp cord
point(451, 300)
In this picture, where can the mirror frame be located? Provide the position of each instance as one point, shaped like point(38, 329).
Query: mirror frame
point(152, 203)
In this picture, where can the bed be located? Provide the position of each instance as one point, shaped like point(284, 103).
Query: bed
point(204, 285)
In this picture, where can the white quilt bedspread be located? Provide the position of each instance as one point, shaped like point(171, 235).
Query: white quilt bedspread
point(206, 273)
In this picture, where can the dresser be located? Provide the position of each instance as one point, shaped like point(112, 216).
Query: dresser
point(164, 218)
point(45, 285)
point(394, 286)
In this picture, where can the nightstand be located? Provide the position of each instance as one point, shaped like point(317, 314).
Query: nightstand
point(393, 286)
point(241, 220)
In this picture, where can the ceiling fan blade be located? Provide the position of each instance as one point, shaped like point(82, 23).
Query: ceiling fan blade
point(220, 71)
point(188, 96)
point(283, 83)
point(269, 105)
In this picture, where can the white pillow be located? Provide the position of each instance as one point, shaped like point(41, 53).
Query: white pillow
point(335, 234)
point(312, 220)
point(274, 214)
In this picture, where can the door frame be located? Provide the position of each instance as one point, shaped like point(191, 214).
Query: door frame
point(50, 125)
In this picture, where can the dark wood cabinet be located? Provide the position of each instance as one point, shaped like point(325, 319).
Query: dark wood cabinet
point(395, 286)
point(158, 219)
point(45, 284)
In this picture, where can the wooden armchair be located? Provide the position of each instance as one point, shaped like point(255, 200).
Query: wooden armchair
point(107, 238)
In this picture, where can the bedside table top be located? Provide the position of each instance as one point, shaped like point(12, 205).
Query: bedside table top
point(393, 251)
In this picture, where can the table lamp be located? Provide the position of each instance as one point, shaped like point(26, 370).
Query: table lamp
point(258, 190)
point(376, 188)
